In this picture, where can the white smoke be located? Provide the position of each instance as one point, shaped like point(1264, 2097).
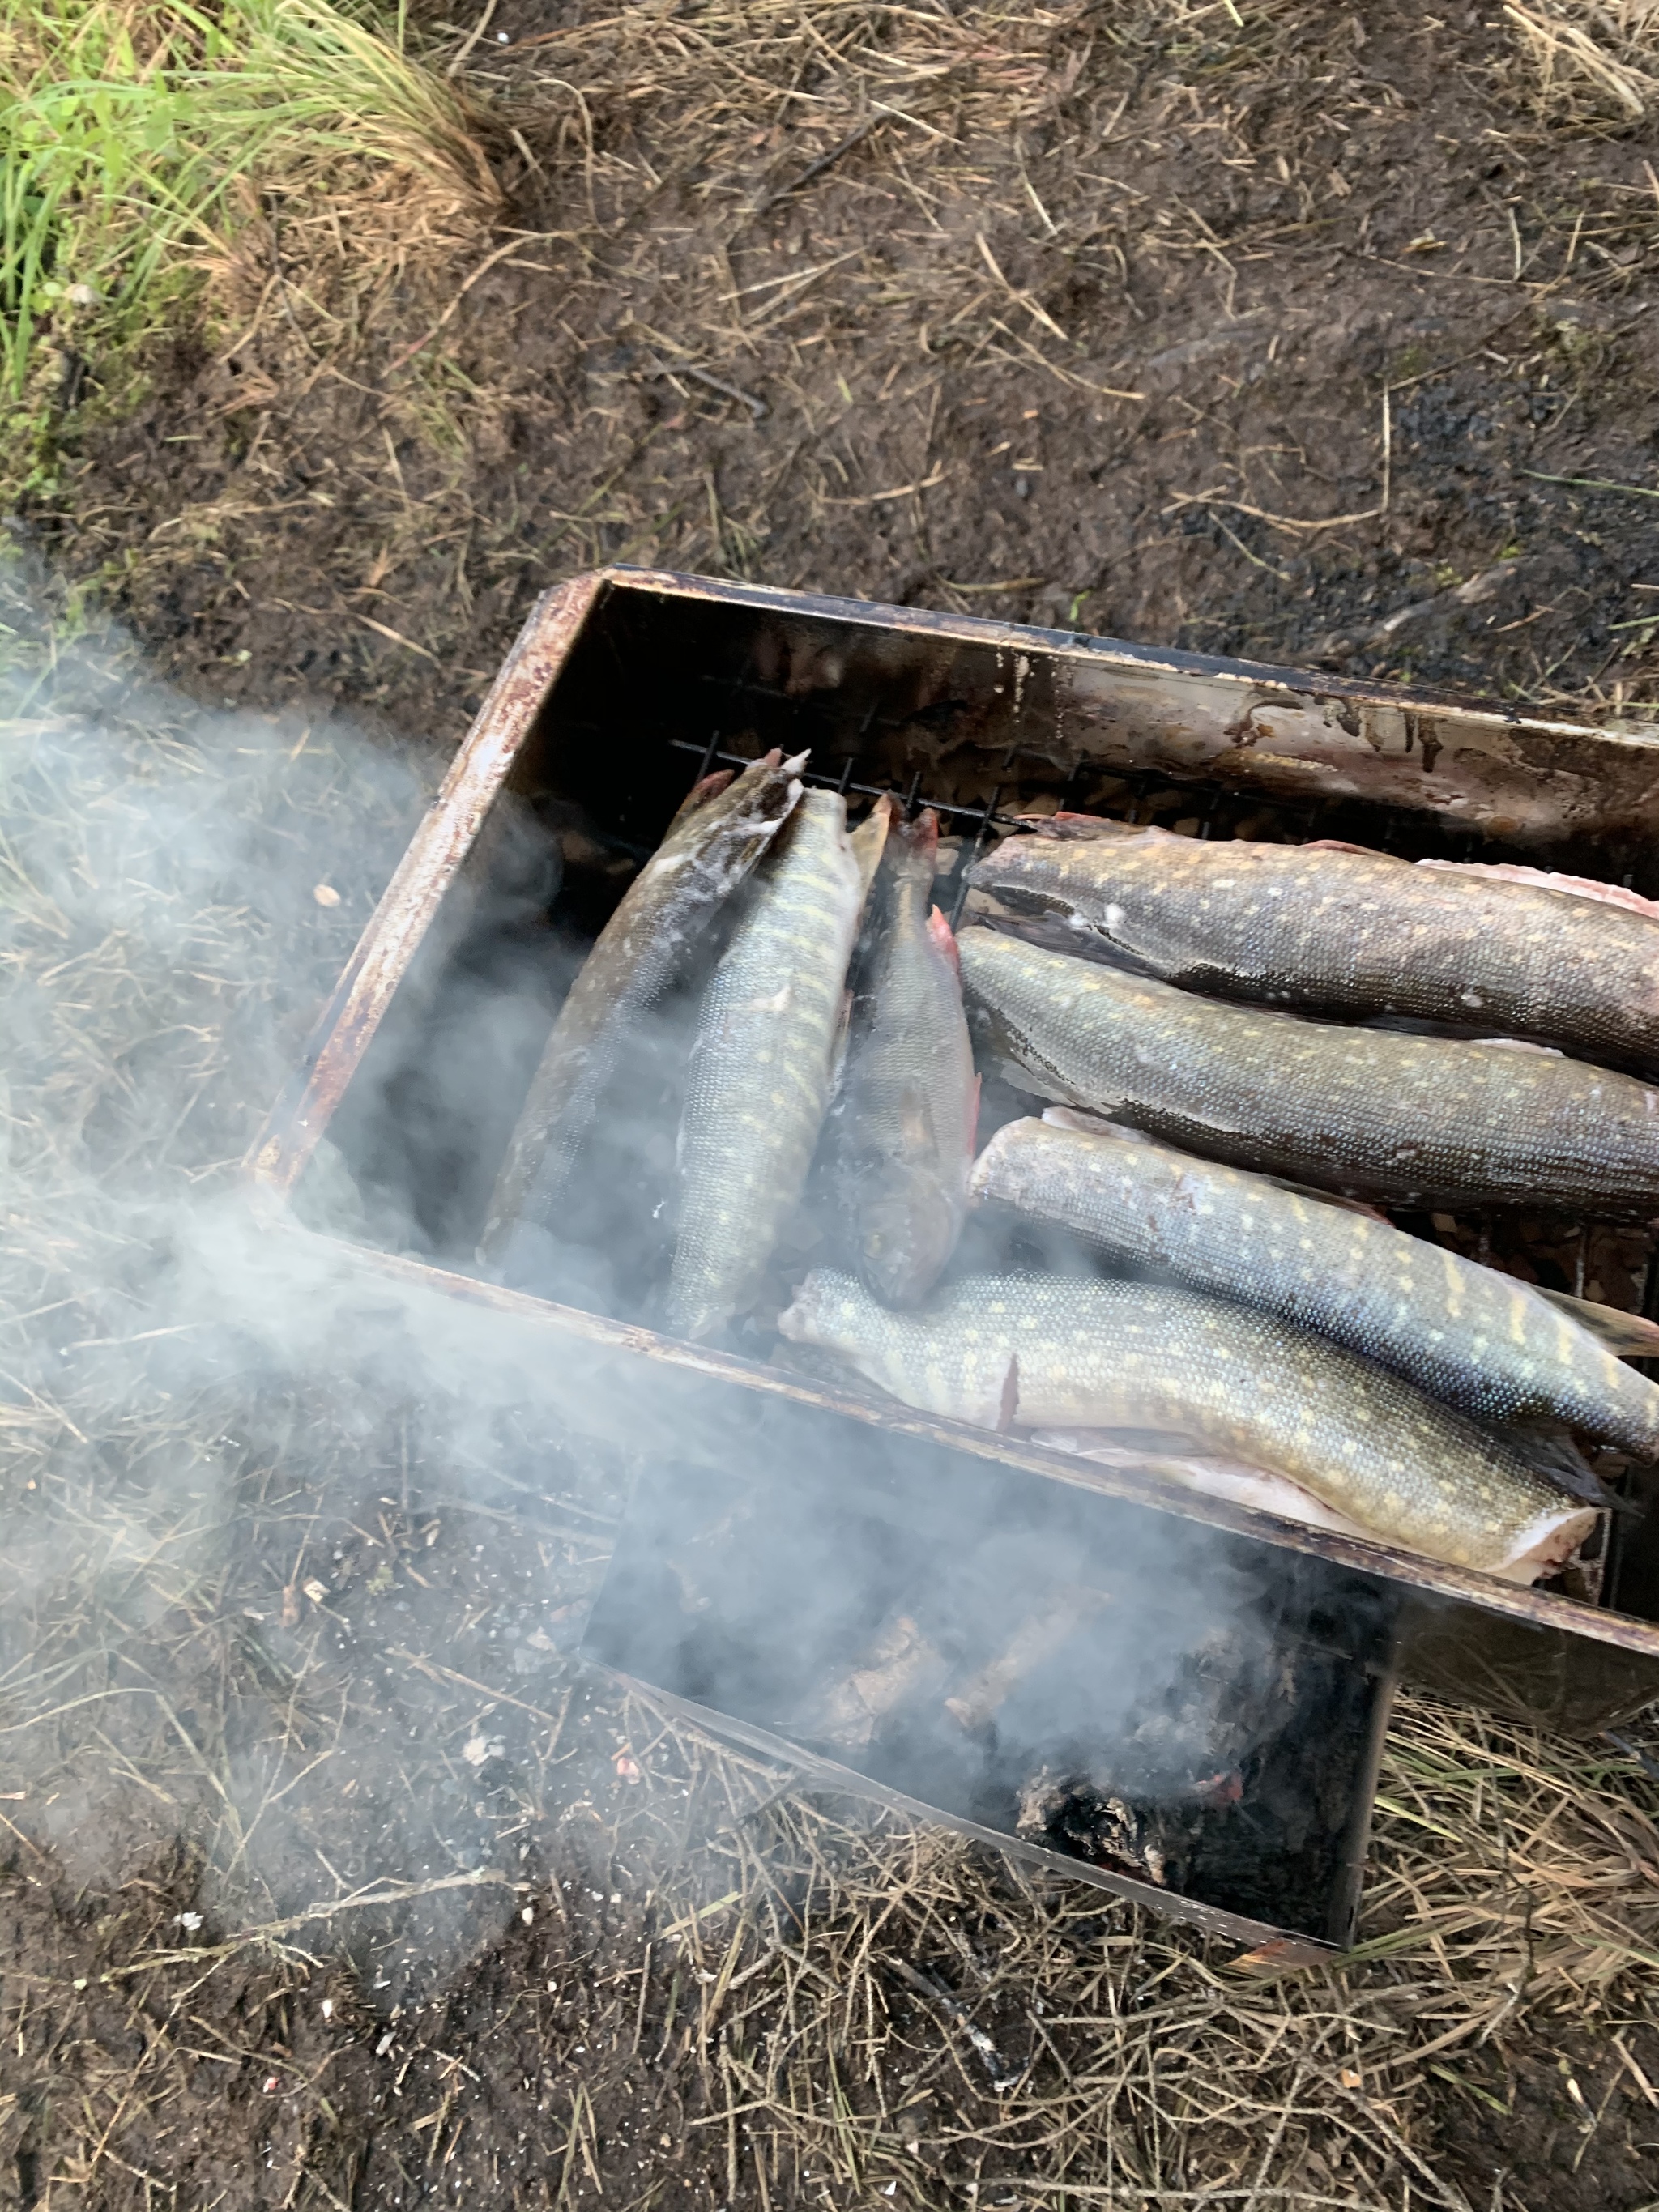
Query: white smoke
point(234, 1460)
point(191, 1408)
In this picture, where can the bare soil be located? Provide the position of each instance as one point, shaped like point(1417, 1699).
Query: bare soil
point(1342, 265)
point(1307, 336)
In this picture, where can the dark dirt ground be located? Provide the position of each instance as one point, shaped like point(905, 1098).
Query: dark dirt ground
point(1308, 337)
point(1338, 259)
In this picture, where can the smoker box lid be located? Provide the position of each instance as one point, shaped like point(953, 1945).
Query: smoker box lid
point(611, 666)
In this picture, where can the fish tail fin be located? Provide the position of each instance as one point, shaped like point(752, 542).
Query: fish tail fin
point(838, 1045)
point(944, 937)
point(920, 839)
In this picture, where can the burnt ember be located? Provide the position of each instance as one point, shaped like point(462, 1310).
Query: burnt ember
point(1070, 1814)
point(1156, 1702)
point(1221, 1785)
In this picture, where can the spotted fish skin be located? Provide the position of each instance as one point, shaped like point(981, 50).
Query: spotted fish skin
point(712, 844)
point(1073, 1354)
point(1462, 1333)
point(1350, 933)
point(910, 1099)
point(1407, 1119)
point(761, 1068)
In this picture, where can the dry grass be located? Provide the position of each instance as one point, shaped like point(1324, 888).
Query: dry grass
point(1586, 53)
point(877, 2004)
point(144, 147)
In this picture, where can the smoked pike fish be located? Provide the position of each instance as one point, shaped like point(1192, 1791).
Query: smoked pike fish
point(1066, 1352)
point(713, 843)
point(1460, 1332)
point(1416, 1121)
point(905, 1117)
point(1347, 933)
point(762, 1067)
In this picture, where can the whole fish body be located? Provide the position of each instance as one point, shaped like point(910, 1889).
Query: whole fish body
point(762, 1067)
point(910, 1098)
point(1055, 1352)
point(1348, 933)
point(712, 844)
point(1408, 1119)
point(1460, 1332)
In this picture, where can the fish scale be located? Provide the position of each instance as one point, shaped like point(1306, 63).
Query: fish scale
point(1068, 1353)
point(1462, 1332)
point(760, 1072)
point(1418, 1121)
point(1350, 933)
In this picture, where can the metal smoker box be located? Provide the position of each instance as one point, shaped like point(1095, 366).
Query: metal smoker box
point(625, 684)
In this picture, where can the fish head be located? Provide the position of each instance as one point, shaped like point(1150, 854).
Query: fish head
point(724, 827)
point(825, 1310)
point(1044, 874)
point(909, 1223)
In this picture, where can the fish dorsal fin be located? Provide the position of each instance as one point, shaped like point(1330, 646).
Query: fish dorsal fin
point(869, 842)
point(1335, 1198)
point(838, 1044)
point(1625, 1334)
point(1344, 845)
point(1548, 1447)
point(1009, 1407)
point(1543, 879)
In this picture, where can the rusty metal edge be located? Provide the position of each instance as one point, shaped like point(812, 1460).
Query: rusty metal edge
point(1117, 652)
point(1461, 1585)
point(342, 1032)
point(1283, 1948)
